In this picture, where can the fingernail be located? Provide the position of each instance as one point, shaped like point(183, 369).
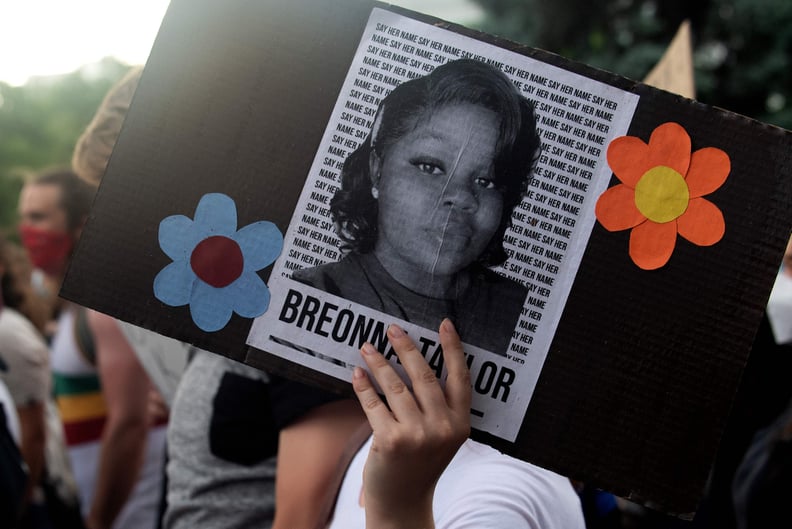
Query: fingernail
point(358, 372)
point(448, 325)
point(368, 349)
point(394, 331)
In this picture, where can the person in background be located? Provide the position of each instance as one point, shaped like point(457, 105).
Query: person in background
point(13, 471)
point(115, 449)
point(763, 480)
point(51, 492)
point(27, 376)
point(222, 447)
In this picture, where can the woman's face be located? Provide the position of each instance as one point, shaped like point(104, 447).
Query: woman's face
point(438, 203)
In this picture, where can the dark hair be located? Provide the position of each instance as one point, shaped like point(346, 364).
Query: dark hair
point(76, 195)
point(12, 297)
point(462, 81)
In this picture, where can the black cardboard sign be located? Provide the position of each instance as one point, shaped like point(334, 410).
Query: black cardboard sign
point(635, 384)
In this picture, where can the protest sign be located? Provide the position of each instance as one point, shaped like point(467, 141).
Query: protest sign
point(674, 71)
point(607, 304)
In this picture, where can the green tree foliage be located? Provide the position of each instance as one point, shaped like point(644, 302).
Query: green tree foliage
point(742, 48)
point(40, 123)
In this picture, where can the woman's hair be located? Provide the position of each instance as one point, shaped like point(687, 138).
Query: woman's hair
point(93, 148)
point(11, 295)
point(462, 81)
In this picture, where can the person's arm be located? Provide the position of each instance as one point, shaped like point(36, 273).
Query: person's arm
point(33, 439)
point(308, 453)
point(125, 387)
point(417, 434)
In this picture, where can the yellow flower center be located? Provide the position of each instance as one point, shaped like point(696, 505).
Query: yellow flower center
point(661, 194)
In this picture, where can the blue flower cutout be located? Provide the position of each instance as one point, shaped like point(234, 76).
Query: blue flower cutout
point(214, 265)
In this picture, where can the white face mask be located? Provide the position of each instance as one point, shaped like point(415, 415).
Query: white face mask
point(779, 309)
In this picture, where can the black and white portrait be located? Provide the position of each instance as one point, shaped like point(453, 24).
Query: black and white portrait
point(425, 201)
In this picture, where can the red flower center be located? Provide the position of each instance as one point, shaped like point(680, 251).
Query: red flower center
point(217, 261)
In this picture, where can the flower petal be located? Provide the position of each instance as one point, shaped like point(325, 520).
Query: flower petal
point(174, 284)
point(628, 158)
point(174, 236)
point(251, 296)
point(211, 307)
point(616, 210)
point(702, 223)
point(261, 243)
point(709, 168)
point(651, 244)
point(669, 145)
point(216, 213)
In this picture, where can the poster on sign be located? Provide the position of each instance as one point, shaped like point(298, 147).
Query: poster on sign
point(480, 212)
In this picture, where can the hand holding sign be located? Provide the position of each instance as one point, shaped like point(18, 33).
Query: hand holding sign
point(418, 436)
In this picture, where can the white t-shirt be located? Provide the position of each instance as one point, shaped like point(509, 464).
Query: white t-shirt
point(779, 309)
point(12, 419)
point(481, 488)
point(26, 355)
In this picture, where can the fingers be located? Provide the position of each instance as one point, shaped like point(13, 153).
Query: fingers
point(400, 400)
point(423, 379)
point(458, 390)
point(376, 412)
point(429, 396)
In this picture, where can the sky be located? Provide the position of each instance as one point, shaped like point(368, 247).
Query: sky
point(51, 37)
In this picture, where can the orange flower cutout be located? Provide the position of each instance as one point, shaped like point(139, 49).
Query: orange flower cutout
point(660, 195)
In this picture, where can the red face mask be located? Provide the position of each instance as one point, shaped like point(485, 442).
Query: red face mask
point(48, 250)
